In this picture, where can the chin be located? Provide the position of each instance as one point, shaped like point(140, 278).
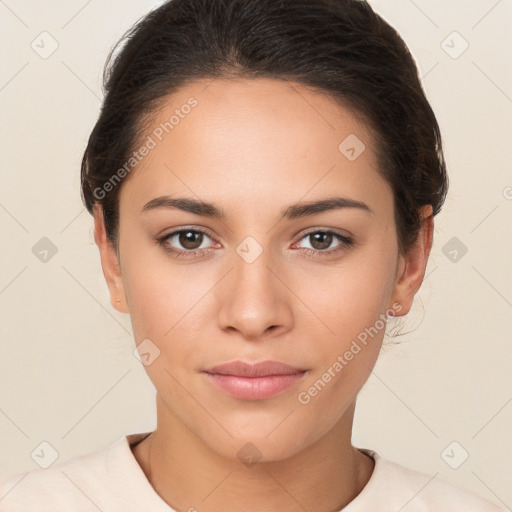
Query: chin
point(251, 445)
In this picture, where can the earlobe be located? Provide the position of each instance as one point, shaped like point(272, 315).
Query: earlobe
point(109, 263)
point(411, 266)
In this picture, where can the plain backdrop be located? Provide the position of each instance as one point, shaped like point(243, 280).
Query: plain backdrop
point(440, 402)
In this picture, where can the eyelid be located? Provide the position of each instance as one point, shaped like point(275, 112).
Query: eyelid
point(197, 229)
point(338, 231)
point(185, 227)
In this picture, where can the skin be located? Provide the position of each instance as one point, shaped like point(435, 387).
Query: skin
point(254, 147)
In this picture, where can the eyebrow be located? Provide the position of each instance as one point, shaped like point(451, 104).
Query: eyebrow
point(293, 211)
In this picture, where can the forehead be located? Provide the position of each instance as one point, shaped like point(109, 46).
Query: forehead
point(252, 141)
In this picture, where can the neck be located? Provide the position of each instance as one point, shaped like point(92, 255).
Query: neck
point(188, 475)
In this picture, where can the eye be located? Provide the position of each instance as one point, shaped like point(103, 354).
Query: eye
point(191, 240)
point(321, 240)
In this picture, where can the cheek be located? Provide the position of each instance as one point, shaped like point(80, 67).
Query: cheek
point(161, 294)
point(171, 305)
point(351, 317)
point(349, 298)
point(334, 388)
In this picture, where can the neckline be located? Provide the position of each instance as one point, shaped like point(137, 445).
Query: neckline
point(129, 441)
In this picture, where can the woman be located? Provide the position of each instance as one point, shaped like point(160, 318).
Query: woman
point(263, 179)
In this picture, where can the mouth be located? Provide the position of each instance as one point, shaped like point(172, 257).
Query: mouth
point(258, 381)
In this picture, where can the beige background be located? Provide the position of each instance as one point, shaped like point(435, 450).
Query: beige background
point(68, 375)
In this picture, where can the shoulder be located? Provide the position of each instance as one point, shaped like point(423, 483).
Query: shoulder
point(405, 489)
point(91, 482)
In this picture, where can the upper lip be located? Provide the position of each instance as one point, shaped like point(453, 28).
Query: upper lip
point(261, 369)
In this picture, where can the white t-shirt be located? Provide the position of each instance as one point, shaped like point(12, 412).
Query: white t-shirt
point(111, 480)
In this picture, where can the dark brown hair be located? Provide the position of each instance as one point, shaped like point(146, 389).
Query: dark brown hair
point(341, 48)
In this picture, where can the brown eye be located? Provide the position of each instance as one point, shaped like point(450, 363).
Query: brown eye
point(189, 239)
point(186, 243)
point(321, 240)
point(321, 243)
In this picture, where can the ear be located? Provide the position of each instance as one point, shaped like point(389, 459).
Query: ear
point(109, 263)
point(411, 266)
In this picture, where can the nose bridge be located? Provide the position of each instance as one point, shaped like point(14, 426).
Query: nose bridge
point(252, 297)
point(252, 267)
point(253, 281)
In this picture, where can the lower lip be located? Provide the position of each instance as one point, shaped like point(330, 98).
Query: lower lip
point(254, 388)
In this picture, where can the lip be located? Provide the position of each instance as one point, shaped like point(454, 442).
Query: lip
point(260, 369)
point(254, 381)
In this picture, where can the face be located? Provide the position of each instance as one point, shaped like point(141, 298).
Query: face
point(265, 279)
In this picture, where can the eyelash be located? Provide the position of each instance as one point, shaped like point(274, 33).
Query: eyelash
point(314, 253)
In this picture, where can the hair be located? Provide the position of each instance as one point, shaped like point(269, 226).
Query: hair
point(340, 48)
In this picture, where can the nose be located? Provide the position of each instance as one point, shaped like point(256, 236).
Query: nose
point(254, 299)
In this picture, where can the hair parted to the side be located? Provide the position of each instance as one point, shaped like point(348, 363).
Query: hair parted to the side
point(341, 48)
